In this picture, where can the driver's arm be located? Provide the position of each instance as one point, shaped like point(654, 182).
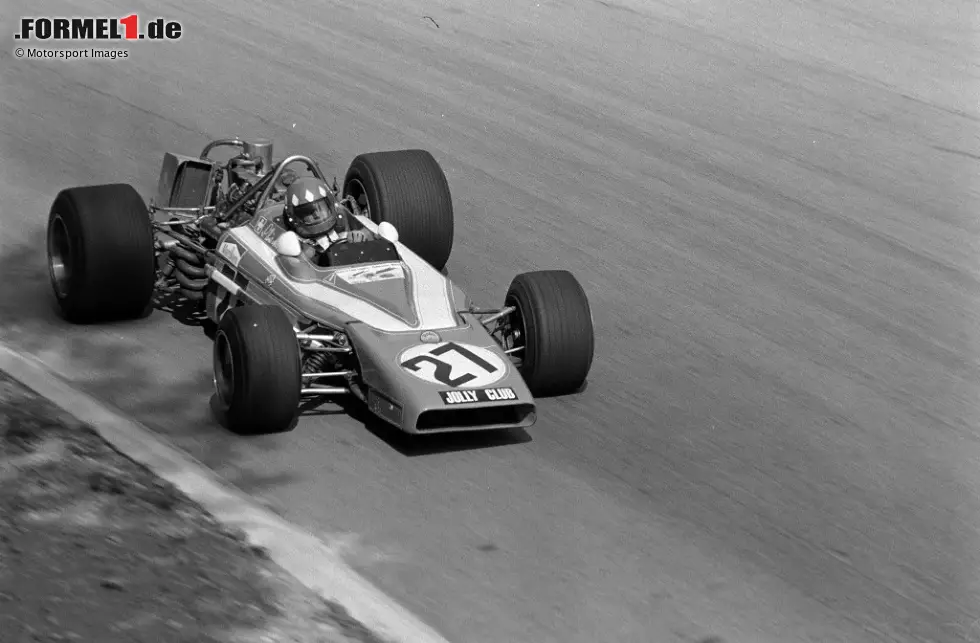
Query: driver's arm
point(312, 249)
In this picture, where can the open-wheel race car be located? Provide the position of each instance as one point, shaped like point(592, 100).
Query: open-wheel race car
point(378, 319)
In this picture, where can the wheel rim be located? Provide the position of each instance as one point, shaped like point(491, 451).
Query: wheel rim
point(59, 256)
point(356, 190)
point(514, 334)
point(224, 369)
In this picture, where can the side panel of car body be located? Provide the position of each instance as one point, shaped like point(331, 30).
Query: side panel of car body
point(248, 251)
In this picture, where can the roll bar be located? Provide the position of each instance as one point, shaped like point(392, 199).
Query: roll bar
point(264, 186)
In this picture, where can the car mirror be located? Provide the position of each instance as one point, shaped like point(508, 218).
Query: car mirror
point(388, 232)
point(288, 244)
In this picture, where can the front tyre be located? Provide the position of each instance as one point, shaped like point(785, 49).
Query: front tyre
point(257, 370)
point(101, 259)
point(553, 326)
point(408, 189)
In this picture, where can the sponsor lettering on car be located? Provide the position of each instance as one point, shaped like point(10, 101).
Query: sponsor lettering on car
point(266, 229)
point(473, 396)
point(371, 274)
point(231, 252)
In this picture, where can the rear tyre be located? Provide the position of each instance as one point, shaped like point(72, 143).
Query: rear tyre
point(553, 324)
point(101, 259)
point(257, 373)
point(408, 189)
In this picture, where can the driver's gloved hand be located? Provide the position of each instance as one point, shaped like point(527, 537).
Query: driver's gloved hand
point(357, 236)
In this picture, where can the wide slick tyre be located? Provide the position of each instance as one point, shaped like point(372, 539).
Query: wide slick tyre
point(101, 259)
point(257, 370)
point(553, 325)
point(408, 189)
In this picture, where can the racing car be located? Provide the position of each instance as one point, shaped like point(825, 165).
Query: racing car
point(379, 320)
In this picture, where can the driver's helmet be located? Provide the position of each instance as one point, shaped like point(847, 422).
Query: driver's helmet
point(310, 209)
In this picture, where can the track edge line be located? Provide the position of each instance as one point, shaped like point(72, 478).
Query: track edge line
point(296, 551)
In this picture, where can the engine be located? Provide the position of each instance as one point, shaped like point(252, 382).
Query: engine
point(241, 176)
point(198, 183)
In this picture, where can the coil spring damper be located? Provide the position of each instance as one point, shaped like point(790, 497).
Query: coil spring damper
point(317, 363)
point(192, 274)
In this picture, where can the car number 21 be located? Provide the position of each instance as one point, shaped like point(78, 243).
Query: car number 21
point(452, 364)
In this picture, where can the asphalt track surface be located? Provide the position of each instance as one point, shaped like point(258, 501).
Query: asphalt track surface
point(773, 208)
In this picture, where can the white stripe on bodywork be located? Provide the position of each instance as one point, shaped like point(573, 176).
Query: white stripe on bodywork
point(431, 291)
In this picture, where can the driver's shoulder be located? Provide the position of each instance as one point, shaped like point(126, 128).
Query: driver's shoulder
point(272, 212)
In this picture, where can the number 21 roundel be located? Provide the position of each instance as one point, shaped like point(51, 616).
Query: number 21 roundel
point(452, 364)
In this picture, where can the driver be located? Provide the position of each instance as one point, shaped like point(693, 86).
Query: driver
point(313, 213)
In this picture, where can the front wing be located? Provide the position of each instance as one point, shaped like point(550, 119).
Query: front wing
point(453, 380)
